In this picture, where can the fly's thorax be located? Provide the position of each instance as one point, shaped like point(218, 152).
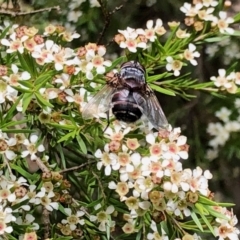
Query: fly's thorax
point(132, 76)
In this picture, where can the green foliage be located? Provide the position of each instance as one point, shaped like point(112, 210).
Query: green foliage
point(67, 177)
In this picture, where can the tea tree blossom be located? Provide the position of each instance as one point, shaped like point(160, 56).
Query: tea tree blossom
point(73, 219)
point(221, 131)
point(223, 81)
point(44, 198)
point(103, 217)
point(150, 32)
point(223, 114)
point(190, 10)
point(209, 3)
point(182, 33)
point(130, 40)
point(95, 59)
point(174, 65)
point(190, 53)
point(5, 218)
point(223, 23)
point(14, 44)
point(32, 147)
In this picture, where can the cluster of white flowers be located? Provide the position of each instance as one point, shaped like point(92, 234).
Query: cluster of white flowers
point(18, 199)
point(147, 182)
point(139, 38)
point(73, 13)
point(29, 148)
point(228, 49)
point(201, 11)
point(221, 131)
point(227, 82)
point(13, 196)
point(88, 61)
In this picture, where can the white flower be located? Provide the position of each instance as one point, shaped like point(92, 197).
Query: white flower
point(208, 3)
point(223, 23)
point(44, 198)
point(14, 44)
point(103, 218)
point(190, 54)
point(96, 60)
point(190, 10)
point(130, 41)
point(73, 219)
point(94, 3)
point(222, 80)
point(73, 16)
point(174, 65)
point(223, 114)
point(32, 147)
point(108, 160)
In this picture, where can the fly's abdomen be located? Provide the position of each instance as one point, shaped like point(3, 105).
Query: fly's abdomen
point(125, 107)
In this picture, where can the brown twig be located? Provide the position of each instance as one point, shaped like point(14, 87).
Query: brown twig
point(107, 16)
point(77, 167)
point(46, 223)
point(42, 166)
point(45, 215)
point(100, 184)
point(14, 14)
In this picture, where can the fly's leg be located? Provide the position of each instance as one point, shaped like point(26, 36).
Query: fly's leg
point(108, 122)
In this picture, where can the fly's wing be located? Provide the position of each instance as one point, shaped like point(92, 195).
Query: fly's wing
point(100, 103)
point(151, 108)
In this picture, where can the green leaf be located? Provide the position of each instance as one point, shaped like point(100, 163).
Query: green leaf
point(196, 220)
point(216, 39)
point(26, 84)
point(43, 78)
point(68, 136)
point(206, 200)
point(26, 62)
point(27, 98)
point(169, 39)
point(236, 33)
point(162, 90)
point(10, 113)
point(216, 213)
point(5, 31)
point(158, 76)
point(115, 63)
point(24, 90)
point(13, 123)
point(18, 130)
point(139, 235)
point(94, 203)
point(10, 237)
point(201, 209)
point(226, 204)
point(62, 127)
point(63, 238)
point(208, 224)
point(24, 173)
point(81, 144)
point(160, 46)
point(42, 101)
point(62, 156)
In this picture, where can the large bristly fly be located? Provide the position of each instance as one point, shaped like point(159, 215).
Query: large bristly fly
point(128, 96)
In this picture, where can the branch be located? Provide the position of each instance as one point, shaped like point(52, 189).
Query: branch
point(77, 167)
point(42, 166)
point(100, 184)
point(107, 16)
point(46, 223)
point(14, 14)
